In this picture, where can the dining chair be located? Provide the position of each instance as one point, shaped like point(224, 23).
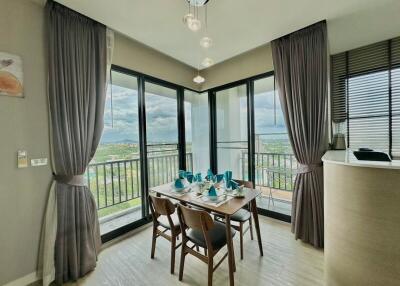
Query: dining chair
point(164, 219)
point(198, 227)
point(241, 217)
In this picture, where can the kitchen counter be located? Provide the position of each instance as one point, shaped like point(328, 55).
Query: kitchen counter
point(362, 221)
point(346, 157)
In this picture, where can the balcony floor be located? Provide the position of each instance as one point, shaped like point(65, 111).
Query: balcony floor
point(114, 221)
point(281, 201)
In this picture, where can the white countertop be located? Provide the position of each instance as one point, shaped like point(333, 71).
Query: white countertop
point(346, 157)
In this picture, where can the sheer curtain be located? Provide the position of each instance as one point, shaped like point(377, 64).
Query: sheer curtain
point(79, 54)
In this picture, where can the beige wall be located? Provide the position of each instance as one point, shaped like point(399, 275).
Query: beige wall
point(23, 125)
point(251, 63)
point(138, 57)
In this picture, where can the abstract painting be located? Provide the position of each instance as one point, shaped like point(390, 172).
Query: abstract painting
point(11, 76)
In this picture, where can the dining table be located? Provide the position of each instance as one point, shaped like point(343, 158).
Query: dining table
point(226, 208)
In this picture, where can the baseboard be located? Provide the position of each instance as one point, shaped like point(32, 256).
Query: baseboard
point(24, 281)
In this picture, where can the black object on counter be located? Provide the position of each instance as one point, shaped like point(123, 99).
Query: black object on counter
point(367, 154)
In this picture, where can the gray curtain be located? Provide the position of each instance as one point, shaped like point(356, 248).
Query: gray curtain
point(300, 63)
point(77, 62)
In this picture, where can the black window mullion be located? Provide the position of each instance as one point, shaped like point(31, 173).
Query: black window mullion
point(250, 130)
point(347, 100)
point(390, 96)
point(181, 129)
point(143, 146)
point(213, 130)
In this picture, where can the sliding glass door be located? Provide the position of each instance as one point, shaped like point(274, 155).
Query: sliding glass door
point(161, 133)
point(114, 173)
point(153, 128)
point(275, 164)
point(232, 131)
point(197, 131)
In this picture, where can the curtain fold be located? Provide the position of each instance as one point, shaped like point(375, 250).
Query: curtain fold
point(300, 63)
point(77, 61)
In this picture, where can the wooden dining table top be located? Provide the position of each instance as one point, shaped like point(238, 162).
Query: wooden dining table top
point(227, 208)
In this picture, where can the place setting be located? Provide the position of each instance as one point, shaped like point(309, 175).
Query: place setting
point(211, 189)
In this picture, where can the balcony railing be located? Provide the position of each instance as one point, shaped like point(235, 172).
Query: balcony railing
point(273, 170)
point(118, 181)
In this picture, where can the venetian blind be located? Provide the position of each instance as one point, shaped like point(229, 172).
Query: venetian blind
point(365, 92)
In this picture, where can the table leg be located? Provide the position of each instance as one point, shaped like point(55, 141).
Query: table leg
point(257, 225)
point(231, 257)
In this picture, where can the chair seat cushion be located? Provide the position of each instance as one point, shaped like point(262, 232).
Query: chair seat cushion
point(241, 215)
point(163, 221)
point(217, 236)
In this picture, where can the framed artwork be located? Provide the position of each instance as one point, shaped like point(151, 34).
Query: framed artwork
point(11, 75)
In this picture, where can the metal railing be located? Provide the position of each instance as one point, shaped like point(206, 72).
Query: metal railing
point(118, 181)
point(273, 170)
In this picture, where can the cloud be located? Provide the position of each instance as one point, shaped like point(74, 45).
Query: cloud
point(161, 116)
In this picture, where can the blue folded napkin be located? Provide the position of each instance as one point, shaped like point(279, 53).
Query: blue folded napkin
point(234, 185)
point(210, 175)
point(178, 184)
point(228, 179)
point(189, 177)
point(212, 192)
point(197, 178)
point(182, 174)
point(218, 178)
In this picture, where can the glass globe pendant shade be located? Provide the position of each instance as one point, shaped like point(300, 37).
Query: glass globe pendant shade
point(188, 18)
point(197, 3)
point(199, 79)
point(206, 42)
point(194, 25)
point(207, 62)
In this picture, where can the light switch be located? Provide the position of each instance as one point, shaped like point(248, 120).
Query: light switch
point(38, 162)
point(22, 159)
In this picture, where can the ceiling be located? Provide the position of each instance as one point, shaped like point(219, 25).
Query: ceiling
point(236, 26)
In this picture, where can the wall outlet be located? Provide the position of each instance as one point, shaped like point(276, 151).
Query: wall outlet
point(39, 162)
point(22, 159)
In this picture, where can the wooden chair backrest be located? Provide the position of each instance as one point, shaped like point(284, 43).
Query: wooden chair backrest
point(246, 184)
point(161, 206)
point(195, 219)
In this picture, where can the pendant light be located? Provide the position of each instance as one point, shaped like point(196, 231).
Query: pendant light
point(191, 20)
point(206, 41)
point(207, 62)
point(199, 79)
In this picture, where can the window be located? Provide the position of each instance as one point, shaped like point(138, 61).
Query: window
point(162, 133)
point(197, 132)
point(114, 173)
point(366, 96)
point(275, 164)
point(232, 131)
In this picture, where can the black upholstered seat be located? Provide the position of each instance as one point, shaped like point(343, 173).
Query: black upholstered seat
point(217, 236)
point(241, 215)
point(163, 221)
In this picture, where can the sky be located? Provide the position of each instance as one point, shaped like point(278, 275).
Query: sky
point(121, 121)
